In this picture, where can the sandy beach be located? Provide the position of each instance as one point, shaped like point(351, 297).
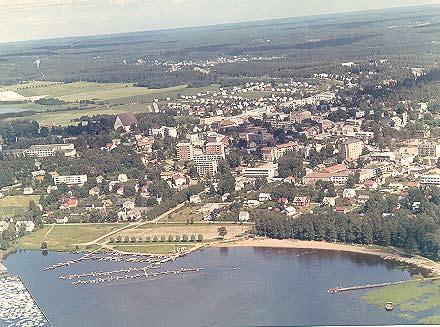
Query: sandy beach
point(386, 253)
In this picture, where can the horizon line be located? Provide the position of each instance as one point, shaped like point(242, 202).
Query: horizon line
point(218, 24)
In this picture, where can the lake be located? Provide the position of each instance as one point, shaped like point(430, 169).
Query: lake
point(267, 287)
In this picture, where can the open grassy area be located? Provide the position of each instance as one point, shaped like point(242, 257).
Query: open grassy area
point(13, 205)
point(415, 300)
point(186, 213)
point(209, 231)
point(153, 248)
point(65, 237)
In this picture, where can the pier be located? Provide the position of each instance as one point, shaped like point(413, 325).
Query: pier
point(35, 301)
point(18, 306)
point(370, 286)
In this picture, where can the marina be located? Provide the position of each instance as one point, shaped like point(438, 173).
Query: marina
point(120, 293)
point(17, 306)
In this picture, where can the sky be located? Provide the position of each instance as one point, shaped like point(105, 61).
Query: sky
point(39, 19)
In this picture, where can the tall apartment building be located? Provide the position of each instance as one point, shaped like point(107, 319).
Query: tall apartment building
point(429, 150)
point(351, 149)
point(70, 179)
point(185, 152)
point(207, 164)
point(216, 148)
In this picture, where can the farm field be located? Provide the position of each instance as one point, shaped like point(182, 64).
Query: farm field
point(112, 99)
point(12, 205)
point(65, 237)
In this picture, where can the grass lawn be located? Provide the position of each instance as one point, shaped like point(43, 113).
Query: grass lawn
point(65, 237)
point(12, 205)
point(415, 300)
point(184, 214)
point(209, 231)
point(153, 248)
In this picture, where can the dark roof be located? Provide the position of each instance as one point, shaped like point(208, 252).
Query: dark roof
point(128, 119)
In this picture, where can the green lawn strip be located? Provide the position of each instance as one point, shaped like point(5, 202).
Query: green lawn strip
point(153, 248)
point(65, 237)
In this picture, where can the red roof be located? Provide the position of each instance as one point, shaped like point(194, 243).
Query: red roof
point(335, 168)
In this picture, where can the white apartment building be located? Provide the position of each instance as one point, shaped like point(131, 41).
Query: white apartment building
point(70, 179)
point(50, 150)
point(268, 171)
point(207, 163)
point(429, 150)
point(432, 178)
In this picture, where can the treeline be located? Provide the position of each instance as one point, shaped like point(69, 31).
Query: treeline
point(380, 222)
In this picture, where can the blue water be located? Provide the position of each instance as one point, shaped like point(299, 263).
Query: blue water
point(268, 287)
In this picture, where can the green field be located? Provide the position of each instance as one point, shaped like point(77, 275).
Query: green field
point(13, 205)
point(111, 99)
point(186, 213)
point(65, 237)
point(153, 249)
point(414, 300)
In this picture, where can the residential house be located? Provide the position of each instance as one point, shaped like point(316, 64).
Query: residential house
point(301, 202)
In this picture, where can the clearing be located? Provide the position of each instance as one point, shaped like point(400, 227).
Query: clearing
point(13, 205)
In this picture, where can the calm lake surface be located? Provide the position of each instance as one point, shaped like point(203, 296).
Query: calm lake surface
point(268, 287)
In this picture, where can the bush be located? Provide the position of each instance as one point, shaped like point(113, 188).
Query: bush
point(155, 239)
point(148, 239)
point(119, 239)
point(44, 245)
point(177, 238)
point(126, 239)
point(163, 238)
point(133, 240)
point(200, 238)
point(193, 238)
point(185, 238)
point(140, 239)
point(170, 238)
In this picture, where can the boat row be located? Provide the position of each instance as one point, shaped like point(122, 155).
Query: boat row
point(137, 276)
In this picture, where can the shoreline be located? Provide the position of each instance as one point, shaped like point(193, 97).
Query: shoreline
point(387, 253)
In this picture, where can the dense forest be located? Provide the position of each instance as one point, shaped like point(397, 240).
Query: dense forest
point(285, 48)
point(383, 220)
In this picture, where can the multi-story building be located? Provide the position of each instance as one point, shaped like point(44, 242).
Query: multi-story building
point(271, 154)
point(299, 116)
point(70, 179)
point(432, 178)
point(50, 150)
point(269, 170)
point(185, 152)
point(217, 148)
point(429, 150)
point(207, 164)
point(351, 149)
